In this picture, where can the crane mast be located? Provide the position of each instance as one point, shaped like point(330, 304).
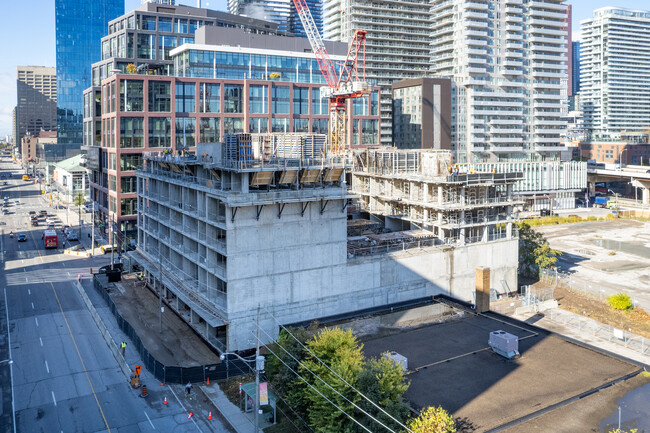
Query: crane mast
point(349, 83)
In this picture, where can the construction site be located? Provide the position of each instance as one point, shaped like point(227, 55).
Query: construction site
point(278, 221)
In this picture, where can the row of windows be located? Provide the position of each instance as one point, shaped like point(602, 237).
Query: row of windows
point(159, 131)
point(132, 92)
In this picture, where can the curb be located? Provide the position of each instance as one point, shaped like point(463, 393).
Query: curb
point(104, 331)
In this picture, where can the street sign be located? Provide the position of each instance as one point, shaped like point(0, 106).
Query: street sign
point(136, 370)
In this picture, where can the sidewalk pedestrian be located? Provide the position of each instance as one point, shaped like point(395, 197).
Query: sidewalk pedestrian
point(123, 348)
point(188, 388)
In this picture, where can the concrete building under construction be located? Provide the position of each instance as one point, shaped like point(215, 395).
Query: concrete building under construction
point(269, 220)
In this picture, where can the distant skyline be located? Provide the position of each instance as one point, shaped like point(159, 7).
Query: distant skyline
point(28, 38)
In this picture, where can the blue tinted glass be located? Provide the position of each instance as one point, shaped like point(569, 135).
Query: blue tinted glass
point(80, 25)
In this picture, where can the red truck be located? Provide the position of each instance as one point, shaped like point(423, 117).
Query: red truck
point(51, 239)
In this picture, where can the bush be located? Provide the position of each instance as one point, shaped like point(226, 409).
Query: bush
point(620, 301)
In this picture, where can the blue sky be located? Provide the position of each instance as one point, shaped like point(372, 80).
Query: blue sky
point(27, 36)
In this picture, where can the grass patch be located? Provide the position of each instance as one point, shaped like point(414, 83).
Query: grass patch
point(230, 387)
point(645, 374)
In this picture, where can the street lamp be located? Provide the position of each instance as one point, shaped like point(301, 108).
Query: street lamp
point(620, 159)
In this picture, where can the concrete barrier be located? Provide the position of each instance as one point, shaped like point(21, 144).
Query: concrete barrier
point(112, 345)
point(76, 253)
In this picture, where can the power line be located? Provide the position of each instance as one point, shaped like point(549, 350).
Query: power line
point(294, 412)
point(337, 375)
point(312, 387)
point(330, 387)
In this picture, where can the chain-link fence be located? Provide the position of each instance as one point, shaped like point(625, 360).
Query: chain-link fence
point(230, 367)
point(529, 296)
point(604, 332)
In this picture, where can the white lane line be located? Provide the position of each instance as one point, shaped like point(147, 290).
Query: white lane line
point(25, 270)
point(68, 274)
point(152, 426)
point(53, 398)
point(41, 340)
point(184, 410)
point(36, 318)
point(11, 367)
point(63, 264)
point(32, 305)
point(47, 367)
point(29, 292)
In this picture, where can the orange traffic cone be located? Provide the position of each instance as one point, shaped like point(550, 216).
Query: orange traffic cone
point(210, 415)
point(165, 401)
point(190, 415)
point(208, 381)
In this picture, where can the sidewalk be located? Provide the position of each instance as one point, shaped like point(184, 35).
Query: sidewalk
point(238, 420)
point(586, 330)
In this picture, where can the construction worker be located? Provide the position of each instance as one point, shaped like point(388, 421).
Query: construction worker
point(188, 388)
point(123, 348)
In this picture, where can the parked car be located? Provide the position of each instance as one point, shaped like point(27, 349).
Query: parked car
point(72, 235)
point(5, 211)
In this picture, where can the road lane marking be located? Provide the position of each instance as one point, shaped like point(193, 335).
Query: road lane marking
point(47, 367)
point(29, 292)
point(32, 305)
point(152, 426)
point(11, 367)
point(53, 398)
point(184, 410)
point(36, 319)
point(41, 340)
point(83, 364)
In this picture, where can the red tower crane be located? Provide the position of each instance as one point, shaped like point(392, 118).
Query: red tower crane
point(349, 83)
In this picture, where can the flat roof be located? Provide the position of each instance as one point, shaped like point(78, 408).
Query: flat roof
point(450, 364)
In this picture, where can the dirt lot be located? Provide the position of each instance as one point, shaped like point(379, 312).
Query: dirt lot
point(180, 347)
point(590, 306)
point(454, 368)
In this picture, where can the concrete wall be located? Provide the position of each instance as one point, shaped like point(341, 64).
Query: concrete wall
point(321, 285)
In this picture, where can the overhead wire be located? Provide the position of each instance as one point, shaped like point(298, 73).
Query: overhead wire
point(337, 375)
point(314, 388)
point(329, 386)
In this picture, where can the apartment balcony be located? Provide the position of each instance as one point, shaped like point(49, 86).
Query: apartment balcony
point(514, 54)
point(514, 28)
point(549, 48)
point(475, 33)
point(545, 85)
point(513, 2)
point(509, 130)
point(549, 23)
point(545, 40)
point(496, 139)
point(476, 70)
point(511, 83)
point(548, 96)
point(476, 42)
point(474, 5)
point(476, 61)
point(548, 140)
point(497, 112)
point(514, 18)
point(506, 149)
point(550, 148)
point(513, 63)
point(545, 14)
point(547, 74)
point(516, 11)
point(548, 5)
point(548, 31)
point(544, 122)
point(549, 130)
point(552, 57)
point(473, 148)
point(514, 45)
point(516, 104)
point(537, 105)
point(476, 15)
point(505, 122)
point(507, 71)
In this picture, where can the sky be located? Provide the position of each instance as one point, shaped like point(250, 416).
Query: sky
point(28, 39)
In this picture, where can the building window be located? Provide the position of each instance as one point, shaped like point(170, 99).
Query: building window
point(165, 24)
point(300, 100)
point(160, 96)
point(374, 103)
point(232, 102)
point(360, 106)
point(318, 104)
point(129, 206)
point(300, 125)
point(280, 125)
point(258, 99)
point(165, 45)
point(184, 132)
point(258, 125)
point(185, 93)
point(355, 131)
point(369, 132)
point(181, 26)
point(131, 132)
point(160, 132)
point(131, 95)
point(233, 125)
point(148, 22)
point(280, 99)
point(130, 162)
point(129, 46)
point(112, 161)
point(128, 184)
point(609, 154)
point(209, 130)
point(112, 204)
point(146, 48)
point(112, 184)
point(319, 126)
point(210, 98)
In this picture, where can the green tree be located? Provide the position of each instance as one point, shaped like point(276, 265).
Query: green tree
point(534, 251)
point(341, 351)
point(433, 420)
point(382, 381)
point(79, 199)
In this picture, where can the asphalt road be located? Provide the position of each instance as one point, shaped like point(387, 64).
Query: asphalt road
point(56, 371)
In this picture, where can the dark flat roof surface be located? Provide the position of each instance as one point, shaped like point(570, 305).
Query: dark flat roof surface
point(451, 365)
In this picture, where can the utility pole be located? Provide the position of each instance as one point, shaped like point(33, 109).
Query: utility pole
point(92, 222)
point(257, 374)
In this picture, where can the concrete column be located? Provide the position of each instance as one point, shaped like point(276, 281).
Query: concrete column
point(441, 232)
point(509, 192)
point(462, 195)
point(425, 193)
point(645, 194)
point(439, 194)
point(485, 234)
point(462, 221)
point(482, 289)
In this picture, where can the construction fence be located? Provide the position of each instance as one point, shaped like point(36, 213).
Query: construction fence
point(230, 367)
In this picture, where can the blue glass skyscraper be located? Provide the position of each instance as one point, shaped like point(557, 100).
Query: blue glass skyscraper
point(80, 25)
point(576, 67)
